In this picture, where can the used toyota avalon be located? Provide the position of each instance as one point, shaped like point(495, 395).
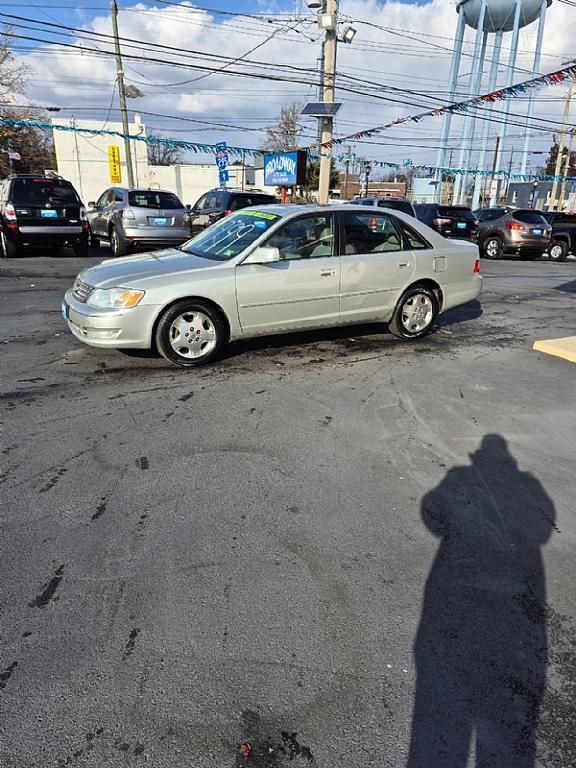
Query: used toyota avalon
point(274, 269)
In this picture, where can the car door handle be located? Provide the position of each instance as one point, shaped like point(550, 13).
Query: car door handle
point(327, 272)
point(403, 263)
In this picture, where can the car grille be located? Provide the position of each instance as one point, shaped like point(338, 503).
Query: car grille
point(82, 291)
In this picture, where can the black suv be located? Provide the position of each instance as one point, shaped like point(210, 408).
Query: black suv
point(38, 210)
point(563, 235)
point(218, 203)
point(449, 220)
point(395, 203)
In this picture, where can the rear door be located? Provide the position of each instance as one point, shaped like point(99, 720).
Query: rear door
point(456, 221)
point(201, 215)
point(95, 216)
point(157, 210)
point(377, 262)
point(46, 205)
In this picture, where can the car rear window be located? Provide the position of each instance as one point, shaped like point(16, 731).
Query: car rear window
point(528, 217)
point(42, 191)
point(150, 198)
point(455, 212)
point(397, 205)
point(247, 201)
point(563, 218)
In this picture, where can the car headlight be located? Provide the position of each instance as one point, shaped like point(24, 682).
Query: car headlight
point(115, 298)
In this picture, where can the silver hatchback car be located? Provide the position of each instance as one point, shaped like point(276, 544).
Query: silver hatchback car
point(274, 269)
point(130, 218)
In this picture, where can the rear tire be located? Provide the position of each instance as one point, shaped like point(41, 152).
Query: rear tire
point(81, 247)
point(493, 248)
point(415, 313)
point(9, 249)
point(117, 245)
point(190, 333)
point(558, 251)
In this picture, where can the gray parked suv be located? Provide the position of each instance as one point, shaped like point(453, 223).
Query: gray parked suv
point(524, 233)
point(138, 217)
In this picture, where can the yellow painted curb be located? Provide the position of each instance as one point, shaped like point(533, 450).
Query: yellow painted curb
point(565, 348)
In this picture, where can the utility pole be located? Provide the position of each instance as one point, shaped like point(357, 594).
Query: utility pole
point(566, 170)
point(492, 178)
point(329, 76)
point(121, 92)
point(321, 88)
point(346, 169)
point(553, 202)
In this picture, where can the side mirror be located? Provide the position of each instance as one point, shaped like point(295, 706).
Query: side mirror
point(91, 204)
point(263, 255)
point(189, 208)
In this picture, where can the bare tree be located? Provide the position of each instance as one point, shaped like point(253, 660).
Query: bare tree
point(161, 154)
point(12, 76)
point(284, 133)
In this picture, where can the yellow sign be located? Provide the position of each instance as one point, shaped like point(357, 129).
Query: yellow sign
point(114, 164)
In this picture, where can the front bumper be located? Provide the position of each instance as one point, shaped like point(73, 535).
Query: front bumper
point(116, 328)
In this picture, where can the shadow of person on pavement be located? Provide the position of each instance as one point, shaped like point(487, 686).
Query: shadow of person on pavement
point(481, 647)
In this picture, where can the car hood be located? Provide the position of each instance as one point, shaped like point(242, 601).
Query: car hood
point(130, 271)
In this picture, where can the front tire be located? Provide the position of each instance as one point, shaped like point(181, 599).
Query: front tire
point(415, 313)
point(190, 333)
point(9, 249)
point(558, 251)
point(117, 245)
point(493, 248)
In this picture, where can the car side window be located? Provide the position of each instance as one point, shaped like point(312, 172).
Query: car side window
point(101, 202)
point(118, 196)
point(211, 201)
point(309, 237)
point(201, 204)
point(414, 239)
point(370, 233)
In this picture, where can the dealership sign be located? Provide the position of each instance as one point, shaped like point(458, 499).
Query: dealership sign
point(285, 169)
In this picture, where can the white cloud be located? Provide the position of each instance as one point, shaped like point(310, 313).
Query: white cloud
point(70, 79)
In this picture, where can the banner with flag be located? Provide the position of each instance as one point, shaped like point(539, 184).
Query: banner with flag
point(13, 155)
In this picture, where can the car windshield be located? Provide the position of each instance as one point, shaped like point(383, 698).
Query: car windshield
point(150, 198)
point(41, 191)
point(230, 236)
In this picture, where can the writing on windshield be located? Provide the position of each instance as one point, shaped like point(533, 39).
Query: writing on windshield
point(231, 235)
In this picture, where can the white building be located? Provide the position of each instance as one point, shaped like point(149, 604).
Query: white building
point(84, 160)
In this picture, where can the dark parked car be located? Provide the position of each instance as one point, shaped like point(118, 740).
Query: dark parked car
point(394, 203)
point(563, 239)
point(41, 211)
point(524, 232)
point(130, 218)
point(217, 203)
point(449, 220)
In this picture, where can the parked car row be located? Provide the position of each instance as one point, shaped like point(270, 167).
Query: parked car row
point(48, 212)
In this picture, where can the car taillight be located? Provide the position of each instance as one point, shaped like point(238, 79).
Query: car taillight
point(514, 226)
point(548, 231)
point(82, 213)
point(127, 214)
point(476, 222)
point(477, 266)
point(10, 212)
point(228, 212)
point(441, 222)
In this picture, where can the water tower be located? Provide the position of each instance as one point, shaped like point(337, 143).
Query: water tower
point(490, 20)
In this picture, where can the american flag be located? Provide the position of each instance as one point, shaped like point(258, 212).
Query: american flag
point(13, 155)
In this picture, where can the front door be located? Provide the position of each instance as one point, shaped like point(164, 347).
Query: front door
point(376, 264)
point(299, 291)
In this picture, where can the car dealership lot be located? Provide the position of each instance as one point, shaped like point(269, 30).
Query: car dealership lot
point(200, 560)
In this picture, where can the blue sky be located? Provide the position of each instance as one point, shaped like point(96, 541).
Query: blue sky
point(410, 50)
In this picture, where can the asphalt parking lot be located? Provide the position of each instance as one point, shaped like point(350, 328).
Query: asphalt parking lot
point(332, 549)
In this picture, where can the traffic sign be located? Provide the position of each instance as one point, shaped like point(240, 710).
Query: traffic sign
point(223, 176)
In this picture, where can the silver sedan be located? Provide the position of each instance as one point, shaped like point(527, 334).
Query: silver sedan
point(274, 269)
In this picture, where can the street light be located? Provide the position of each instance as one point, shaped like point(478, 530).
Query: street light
point(313, 4)
point(348, 34)
point(326, 21)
